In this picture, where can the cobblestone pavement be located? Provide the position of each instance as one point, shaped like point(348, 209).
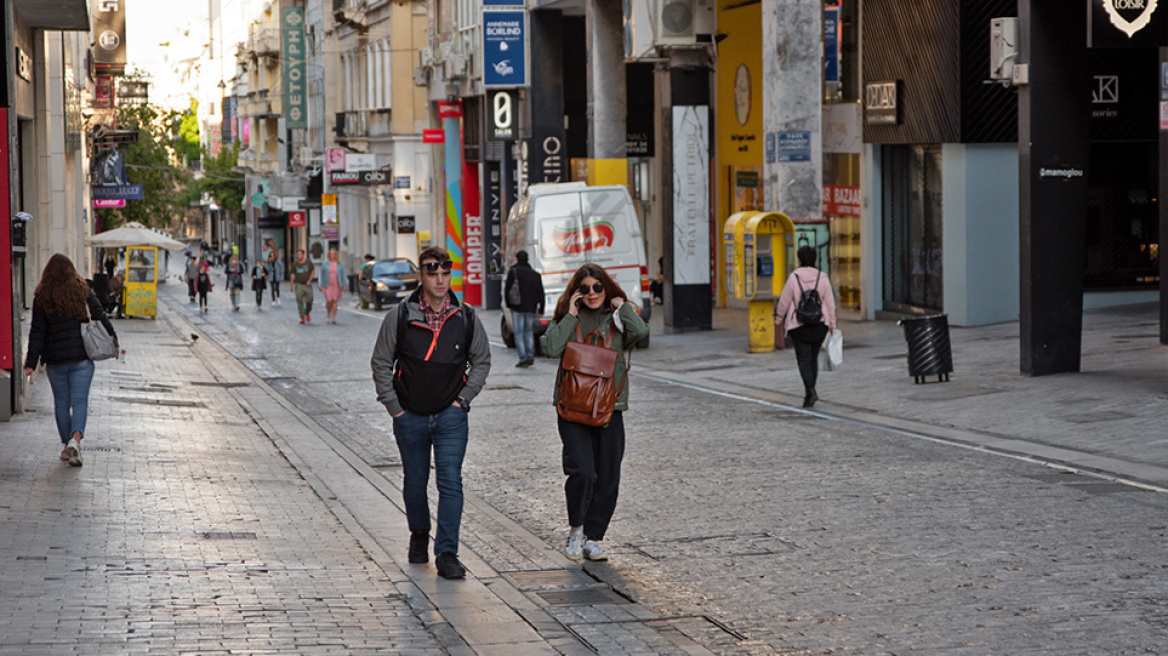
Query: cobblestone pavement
point(752, 527)
point(186, 531)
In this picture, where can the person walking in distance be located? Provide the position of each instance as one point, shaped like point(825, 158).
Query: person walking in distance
point(331, 275)
point(61, 303)
point(203, 286)
point(191, 274)
point(593, 306)
point(523, 291)
point(303, 272)
point(234, 271)
point(365, 276)
point(806, 312)
point(259, 281)
point(275, 267)
point(431, 359)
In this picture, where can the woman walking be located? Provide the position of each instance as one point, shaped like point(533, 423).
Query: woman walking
point(204, 284)
point(275, 274)
point(806, 333)
point(61, 303)
point(259, 278)
point(331, 275)
point(234, 271)
point(593, 306)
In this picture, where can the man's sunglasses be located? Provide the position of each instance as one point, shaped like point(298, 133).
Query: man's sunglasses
point(432, 267)
point(596, 287)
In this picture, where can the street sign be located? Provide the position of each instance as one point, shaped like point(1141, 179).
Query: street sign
point(401, 182)
point(504, 48)
point(435, 136)
point(125, 192)
point(501, 111)
point(257, 199)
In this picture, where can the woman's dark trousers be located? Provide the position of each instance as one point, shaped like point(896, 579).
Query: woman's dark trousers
point(592, 462)
point(807, 340)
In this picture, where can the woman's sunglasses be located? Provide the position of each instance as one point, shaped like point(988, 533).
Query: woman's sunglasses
point(596, 288)
point(432, 267)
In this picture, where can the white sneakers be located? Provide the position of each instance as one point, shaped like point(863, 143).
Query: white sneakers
point(593, 550)
point(575, 547)
point(73, 449)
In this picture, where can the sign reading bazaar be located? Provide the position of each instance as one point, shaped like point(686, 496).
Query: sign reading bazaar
point(1127, 23)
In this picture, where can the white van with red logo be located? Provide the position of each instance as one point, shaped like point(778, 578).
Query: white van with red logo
point(565, 225)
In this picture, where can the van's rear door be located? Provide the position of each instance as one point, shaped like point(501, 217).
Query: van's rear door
point(610, 222)
point(558, 239)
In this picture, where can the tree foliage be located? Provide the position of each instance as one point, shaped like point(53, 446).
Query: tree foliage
point(150, 162)
point(220, 180)
point(186, 137)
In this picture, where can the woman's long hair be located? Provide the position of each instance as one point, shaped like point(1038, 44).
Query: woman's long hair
point(611, 289)
point(61, 291)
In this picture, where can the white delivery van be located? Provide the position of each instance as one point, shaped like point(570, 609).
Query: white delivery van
point(565, 225)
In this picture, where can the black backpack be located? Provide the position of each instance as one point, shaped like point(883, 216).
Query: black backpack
point(809, 310)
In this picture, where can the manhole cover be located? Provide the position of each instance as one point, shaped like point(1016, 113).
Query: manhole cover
point(581, 597)
point(552, 578)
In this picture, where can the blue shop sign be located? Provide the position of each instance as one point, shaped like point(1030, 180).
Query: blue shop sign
point(794, 147)
point(126, 192)
point(401, 182)
point(504, 48)
point(831, 44)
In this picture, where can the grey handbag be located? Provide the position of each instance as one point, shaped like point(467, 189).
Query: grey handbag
point(98, 343)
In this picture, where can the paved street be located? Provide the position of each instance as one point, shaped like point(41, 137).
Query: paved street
point(975, 517)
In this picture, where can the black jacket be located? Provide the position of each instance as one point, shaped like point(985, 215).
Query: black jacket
point(530, 288)
point(56, 340)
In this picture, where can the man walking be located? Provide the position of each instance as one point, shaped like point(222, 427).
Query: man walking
point(431, 359)
point(303, 272)
point(523, 291)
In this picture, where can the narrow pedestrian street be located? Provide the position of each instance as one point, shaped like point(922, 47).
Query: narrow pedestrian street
point(240, 495)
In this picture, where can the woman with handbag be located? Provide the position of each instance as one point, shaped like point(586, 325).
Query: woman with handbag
point(807, 320)
point(61, 304)
point(593, 309)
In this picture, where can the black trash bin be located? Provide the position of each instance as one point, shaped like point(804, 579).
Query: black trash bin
point(929, 353)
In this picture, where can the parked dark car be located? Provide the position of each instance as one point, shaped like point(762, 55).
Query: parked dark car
point(386, 282)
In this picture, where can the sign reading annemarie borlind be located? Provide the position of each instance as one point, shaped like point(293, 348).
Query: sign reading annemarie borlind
point(1127, 23)
point(295, 98)
point(504, 48)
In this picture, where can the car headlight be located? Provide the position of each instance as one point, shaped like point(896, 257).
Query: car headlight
point(381, 286)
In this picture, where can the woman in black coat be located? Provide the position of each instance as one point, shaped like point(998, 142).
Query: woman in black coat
point(61, 303)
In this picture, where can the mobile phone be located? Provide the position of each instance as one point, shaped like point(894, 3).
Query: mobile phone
point(579, 302)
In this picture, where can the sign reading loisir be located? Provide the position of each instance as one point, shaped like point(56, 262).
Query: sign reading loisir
point(1127, 23)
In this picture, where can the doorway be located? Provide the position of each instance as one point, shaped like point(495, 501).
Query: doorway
point(911, 219)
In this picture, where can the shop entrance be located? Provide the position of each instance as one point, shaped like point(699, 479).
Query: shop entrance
point(911, 219)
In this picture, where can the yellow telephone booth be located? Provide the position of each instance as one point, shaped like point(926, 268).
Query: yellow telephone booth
point(760, 254)
point(141, 289)
point(732, 237)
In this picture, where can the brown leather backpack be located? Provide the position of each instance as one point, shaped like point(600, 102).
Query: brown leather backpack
point(587, 392)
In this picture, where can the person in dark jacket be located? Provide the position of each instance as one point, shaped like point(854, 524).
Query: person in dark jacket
point(427, 372)
point(530, 305)
point(61, 303)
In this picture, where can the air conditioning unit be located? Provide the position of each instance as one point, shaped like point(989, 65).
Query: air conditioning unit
point(455, 67)
point(421, 76)
point(305, 155)
point(675, 22)
point(427, 56)
point(638, 24)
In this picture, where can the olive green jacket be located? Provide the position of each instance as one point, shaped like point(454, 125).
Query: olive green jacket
point(559, 333)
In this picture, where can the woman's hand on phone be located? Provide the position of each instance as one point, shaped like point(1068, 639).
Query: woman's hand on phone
point(574, 304)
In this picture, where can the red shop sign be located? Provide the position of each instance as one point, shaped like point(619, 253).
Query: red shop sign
point(298, 219)
point(433, 136)
point(449, 109)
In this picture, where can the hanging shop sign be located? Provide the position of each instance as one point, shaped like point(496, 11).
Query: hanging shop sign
point(434, 136)
point(297, 219)
point(360, 162)
point(831, 43)
point(504, 48)
point(109, 202)
point(502, 115)
point(1127, 23)
point(124, 192)
point(295, 96)
point(361, 178)
point(109, 34)
point(882, 103)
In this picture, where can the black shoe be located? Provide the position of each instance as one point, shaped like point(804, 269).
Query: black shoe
point(810, 399)
point(448, 566)
point(419, 547)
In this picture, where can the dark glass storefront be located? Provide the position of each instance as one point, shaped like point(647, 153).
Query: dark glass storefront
point(911, 218)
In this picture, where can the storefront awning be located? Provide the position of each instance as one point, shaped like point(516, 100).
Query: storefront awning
point(55, 14)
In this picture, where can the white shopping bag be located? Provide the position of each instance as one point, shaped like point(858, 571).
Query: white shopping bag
point(832, 353)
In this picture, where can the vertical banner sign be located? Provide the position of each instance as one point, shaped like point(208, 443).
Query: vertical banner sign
point(831, 43)
point(451, 115)
point(329, 228)
point(691, 195)
point(473, 242)
point(504, 48)
point(6, 283)
point(493, 223)
point(295, 100)
point(109, 31)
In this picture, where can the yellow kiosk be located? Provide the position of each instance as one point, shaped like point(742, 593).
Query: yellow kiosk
point(760, 247)
point(141, 289)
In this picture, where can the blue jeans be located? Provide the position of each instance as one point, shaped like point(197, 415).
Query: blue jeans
point(70, 382)
point(446, 433)
point(524, 325)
